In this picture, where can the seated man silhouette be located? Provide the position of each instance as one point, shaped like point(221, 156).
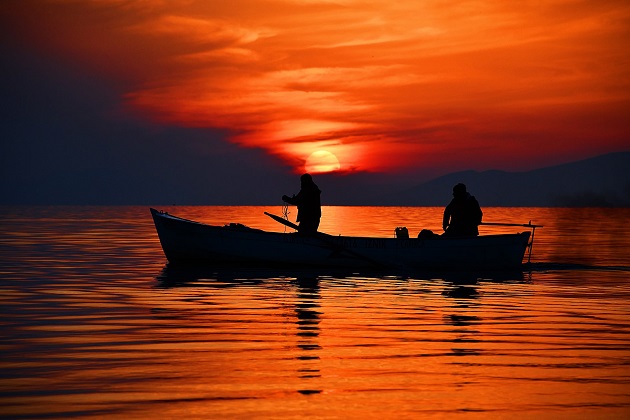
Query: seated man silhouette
point(463, 215)
point(308, 204)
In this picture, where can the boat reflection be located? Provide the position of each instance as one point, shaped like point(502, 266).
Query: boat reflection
point(307, 311)
point(197, 275)
point(302, 291)
point(466, 304)
point(306, 308)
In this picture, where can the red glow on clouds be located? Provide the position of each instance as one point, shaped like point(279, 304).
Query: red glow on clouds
point(383, 86)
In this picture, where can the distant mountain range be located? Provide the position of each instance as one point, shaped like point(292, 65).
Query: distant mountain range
point(603, 181)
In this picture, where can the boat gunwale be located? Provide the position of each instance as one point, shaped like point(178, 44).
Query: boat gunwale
point(237, 227)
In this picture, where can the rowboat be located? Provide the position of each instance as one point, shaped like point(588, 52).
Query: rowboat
point(186, 241)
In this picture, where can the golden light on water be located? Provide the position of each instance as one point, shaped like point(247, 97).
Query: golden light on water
point(238, 342)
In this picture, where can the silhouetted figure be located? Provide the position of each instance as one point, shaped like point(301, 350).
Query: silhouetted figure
point(463, 215)
point(308, 204)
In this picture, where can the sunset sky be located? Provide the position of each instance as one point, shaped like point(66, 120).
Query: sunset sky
point(385, 87)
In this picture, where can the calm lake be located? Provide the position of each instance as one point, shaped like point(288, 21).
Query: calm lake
point(96, 325)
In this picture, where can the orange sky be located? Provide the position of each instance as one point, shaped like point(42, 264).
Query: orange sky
point(384, 85)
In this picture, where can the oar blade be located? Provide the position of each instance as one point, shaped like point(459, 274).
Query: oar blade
point(283, 221)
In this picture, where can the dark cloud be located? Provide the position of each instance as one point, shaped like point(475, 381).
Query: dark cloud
point(65, 140)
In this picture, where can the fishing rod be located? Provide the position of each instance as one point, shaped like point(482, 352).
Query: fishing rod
point(528, 225)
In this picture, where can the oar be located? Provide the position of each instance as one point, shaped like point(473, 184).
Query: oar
point(324, 238)
point(283, 221)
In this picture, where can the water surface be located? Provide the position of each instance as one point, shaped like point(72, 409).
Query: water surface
point(95, 324)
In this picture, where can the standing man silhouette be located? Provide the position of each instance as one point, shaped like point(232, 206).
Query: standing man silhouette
point(308, 203)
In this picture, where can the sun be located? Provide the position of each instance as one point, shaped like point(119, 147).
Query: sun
point(321, 161)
